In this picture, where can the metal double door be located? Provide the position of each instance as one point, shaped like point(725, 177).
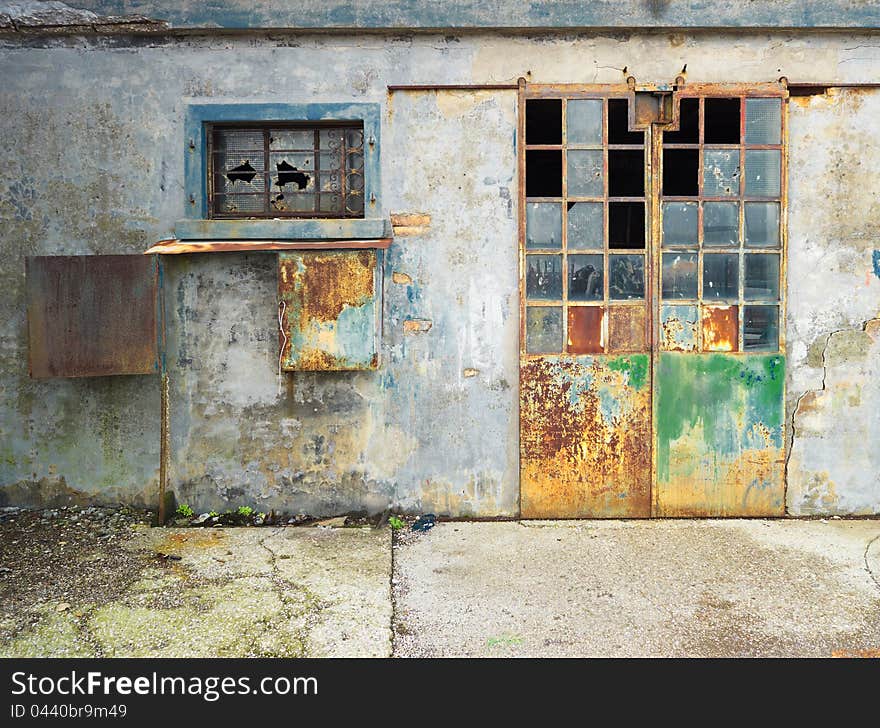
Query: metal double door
point(652, 258)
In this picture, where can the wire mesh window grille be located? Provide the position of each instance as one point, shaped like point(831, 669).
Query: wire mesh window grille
point(286, 170)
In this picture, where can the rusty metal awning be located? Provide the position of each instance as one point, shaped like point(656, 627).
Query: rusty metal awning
point(179, 247)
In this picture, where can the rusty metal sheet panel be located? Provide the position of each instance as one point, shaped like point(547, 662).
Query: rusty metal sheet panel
point(586, 437)
point(92, 315)
point(626, 329)
point(679, 327)
point(329, 310)
point(586, 330)
point(719, 435)
point(720, 328)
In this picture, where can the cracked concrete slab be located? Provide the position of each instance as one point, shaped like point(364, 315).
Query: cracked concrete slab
point(720, 588)
point(243, 592)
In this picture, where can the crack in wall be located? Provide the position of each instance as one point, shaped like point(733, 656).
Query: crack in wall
point(792, 434)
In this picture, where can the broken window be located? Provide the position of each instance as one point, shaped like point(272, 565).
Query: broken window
point(720, 225)
point(294, 170)
point(585, 227)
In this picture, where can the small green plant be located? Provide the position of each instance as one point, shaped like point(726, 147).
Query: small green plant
point(245, 510)
point(184, 511)
point(395, 522)
point(213, 514)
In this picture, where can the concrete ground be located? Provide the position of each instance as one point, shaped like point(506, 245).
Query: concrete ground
point(640, 588)
point(98, 582)
point(138, 591)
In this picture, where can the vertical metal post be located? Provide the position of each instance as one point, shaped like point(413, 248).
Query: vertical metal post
point(163, 449)
point(163, 417)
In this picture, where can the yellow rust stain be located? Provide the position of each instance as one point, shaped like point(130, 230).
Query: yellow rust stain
point(470, 372)
point(720, 328)
point(626, 328)
point(401, 278)
point(316, 360)
point(330, 282)
point(707, 485)
point(192, 539)
point(576, 462)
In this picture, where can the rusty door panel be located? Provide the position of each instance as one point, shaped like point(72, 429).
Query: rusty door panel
point(329, 310)
point(585, 437)
point(720, 328)
point(679, 327)
point(626, 329)
point(586, 327)
point(719, 420)
point(92, 315)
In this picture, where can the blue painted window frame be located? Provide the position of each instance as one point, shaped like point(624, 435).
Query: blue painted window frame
point(198, 224)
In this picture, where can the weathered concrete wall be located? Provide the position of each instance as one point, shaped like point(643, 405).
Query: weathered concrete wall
point(93, 151)
point(834, 304)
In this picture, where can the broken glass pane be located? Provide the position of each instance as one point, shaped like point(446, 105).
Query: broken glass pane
point(585, 173)
point(626, 277)
point(618, 124)
point(689, 124)
point(543, 225)
point(761, 328)
point(544, 329)
point(721, 121)
point(680, 223)
point(681, 172)
point(626, 225)
point(762, 224)
point(761, 277)
point(544, 277)
point(720, 277)
point(543, 173)
point(544, 121)
point(720, 172)
point(720, 224)
point(626, 173)
point(679, 275)
point(585, 277)
point(586, 225)
point(762, 172)
point(584, 122)
point(763, 121)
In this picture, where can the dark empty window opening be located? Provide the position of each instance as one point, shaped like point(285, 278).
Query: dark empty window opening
point(626, 225)
point(618, 124)
point(689, 124)
point(544, 121)
point(286, 170)
point(722, 121)
point(626, 173)
point(681, 172)
point(543, 173)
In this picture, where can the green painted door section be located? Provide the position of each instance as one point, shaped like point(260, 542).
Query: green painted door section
point(719, 435)
point(662, 394)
